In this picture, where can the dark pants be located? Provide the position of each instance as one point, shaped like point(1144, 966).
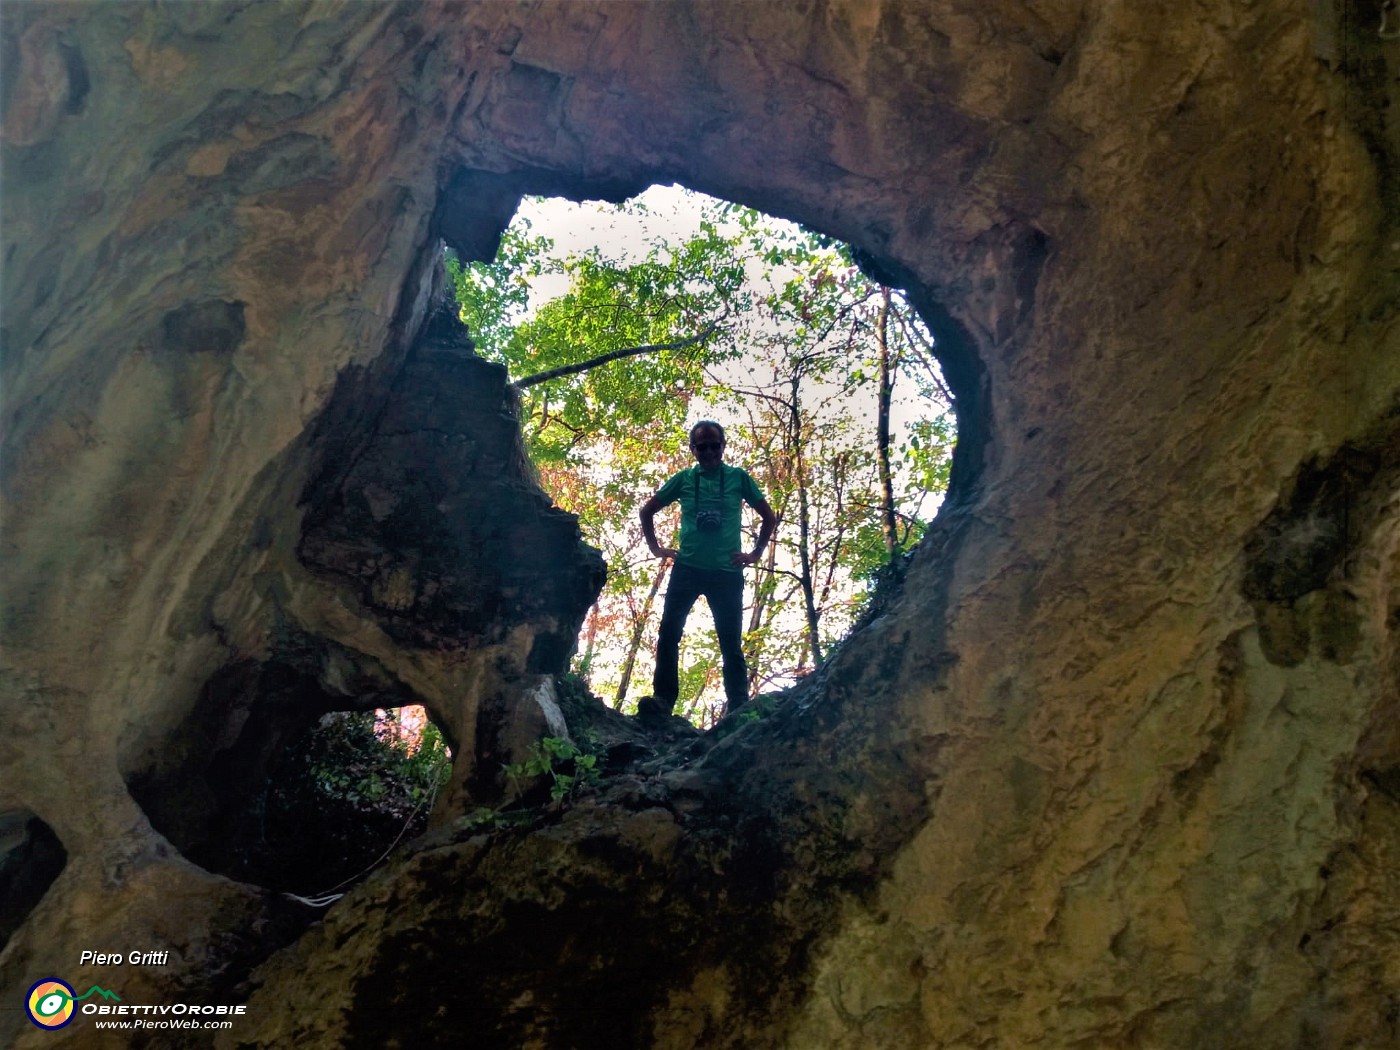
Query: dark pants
point(724, 591)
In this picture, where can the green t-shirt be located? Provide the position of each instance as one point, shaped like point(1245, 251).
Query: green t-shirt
point(723, 491)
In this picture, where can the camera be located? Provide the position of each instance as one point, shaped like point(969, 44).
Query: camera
point(708, 520)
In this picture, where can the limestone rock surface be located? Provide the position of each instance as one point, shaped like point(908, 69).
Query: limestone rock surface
point(1117, 765)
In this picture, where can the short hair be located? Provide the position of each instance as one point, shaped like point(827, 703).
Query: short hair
point(708, 423)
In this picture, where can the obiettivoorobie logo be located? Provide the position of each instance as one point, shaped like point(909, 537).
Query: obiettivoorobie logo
point(50, 1002)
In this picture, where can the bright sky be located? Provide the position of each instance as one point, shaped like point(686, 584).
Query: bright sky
point(575, 228)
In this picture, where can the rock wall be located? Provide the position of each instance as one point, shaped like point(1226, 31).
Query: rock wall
point(1117, 765)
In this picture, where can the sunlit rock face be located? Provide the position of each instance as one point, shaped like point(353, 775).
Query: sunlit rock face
point(1118, 765)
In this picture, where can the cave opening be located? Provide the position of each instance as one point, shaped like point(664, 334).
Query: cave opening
point(775, 329)
point(31, 859)
point(282, 776)
point(277, 780)
point(344, 794)
point(624, 321)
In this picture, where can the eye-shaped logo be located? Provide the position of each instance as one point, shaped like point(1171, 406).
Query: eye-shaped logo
point(50, 1003)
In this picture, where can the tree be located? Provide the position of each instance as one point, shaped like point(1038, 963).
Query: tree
point(829, 340)
point(619, 349)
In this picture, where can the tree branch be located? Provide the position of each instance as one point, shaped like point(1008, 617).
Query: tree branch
point(615, 355)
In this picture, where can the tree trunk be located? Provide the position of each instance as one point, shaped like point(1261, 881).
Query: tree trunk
point(638, 630)
point(765, 586)
point(804, 526)
point(585, 664)
point(882, 426)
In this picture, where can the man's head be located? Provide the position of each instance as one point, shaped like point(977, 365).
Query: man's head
point(707, 443)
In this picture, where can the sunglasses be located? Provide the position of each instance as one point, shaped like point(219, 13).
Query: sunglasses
point(708, 446)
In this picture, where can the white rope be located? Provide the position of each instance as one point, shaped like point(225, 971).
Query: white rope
point(315, 902)
point(328, 898)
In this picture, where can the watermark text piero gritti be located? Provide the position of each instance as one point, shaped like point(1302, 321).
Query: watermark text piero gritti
point(151, 958)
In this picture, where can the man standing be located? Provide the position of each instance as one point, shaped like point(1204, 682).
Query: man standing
point(710, 562)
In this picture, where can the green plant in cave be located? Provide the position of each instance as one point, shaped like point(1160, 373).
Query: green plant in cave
point(342, 796)
point(429, 765)
point(349, 758)
point(569, 768)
